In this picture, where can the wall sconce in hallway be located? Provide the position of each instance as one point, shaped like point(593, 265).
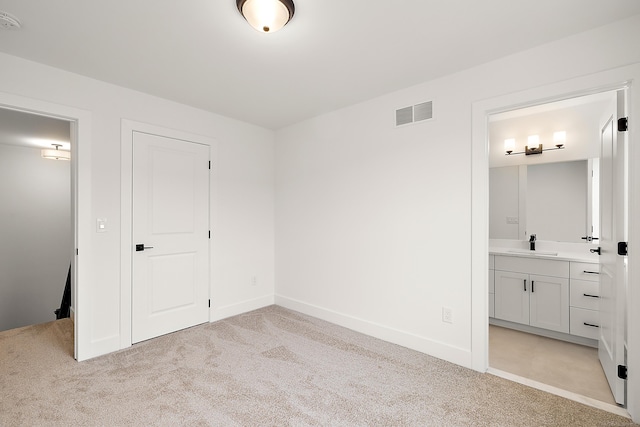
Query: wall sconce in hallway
point(56, 154)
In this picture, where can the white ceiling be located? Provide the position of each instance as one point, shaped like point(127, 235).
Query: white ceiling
point(332, 54)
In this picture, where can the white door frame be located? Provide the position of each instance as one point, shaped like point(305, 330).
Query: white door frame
point(599, 82)
point(126, 211)
point(80, 123)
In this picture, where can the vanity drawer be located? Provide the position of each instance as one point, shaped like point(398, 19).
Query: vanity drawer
point(543, 267)
point(584, 294)
point(585, 271)
point(580, 318)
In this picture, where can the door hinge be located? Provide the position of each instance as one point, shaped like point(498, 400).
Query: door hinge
point(209, 233)
point(623, 249)
point(77, 253)
point(209, 303)
point(623, 124)
point(209, 164)
point(622, 372)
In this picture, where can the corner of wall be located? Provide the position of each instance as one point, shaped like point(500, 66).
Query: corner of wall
point(223, 312)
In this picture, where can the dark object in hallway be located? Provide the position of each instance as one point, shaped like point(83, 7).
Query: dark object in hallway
point(65, 304)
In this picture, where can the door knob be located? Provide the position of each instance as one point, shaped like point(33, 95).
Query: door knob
point(141, 247)
point(595, 251)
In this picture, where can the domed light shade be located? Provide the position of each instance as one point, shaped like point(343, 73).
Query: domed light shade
point(266, 16)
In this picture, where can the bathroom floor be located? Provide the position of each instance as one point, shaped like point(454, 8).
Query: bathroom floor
point(568, 366)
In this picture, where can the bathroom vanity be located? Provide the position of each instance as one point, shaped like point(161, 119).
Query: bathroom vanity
point(546, 293)
point(543, 220)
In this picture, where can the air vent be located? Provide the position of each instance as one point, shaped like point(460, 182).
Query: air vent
point(413, 114)
point(404, 116)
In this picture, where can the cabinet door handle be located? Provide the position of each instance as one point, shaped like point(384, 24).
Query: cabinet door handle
point(525, 285)
point(590, 272)
point(532, 282)
point(591, 296)
point(591, 325)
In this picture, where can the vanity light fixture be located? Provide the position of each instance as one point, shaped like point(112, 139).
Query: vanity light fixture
point(55, 154)
point(533, 144)
point(509, 145)
point(266, 16)
point(559, 138)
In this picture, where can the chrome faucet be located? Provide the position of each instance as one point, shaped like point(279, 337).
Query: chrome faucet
point(532, 242)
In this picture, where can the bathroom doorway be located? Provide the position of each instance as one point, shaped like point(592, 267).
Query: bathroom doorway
point(544, 194)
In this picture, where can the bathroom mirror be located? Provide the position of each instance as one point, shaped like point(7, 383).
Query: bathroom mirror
point(555, 201)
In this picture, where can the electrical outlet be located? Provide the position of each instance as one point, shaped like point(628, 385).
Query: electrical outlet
point(254, 281)
point(447, 315)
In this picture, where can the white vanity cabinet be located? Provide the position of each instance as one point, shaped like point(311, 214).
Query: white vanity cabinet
point(532, 291)
point(585, 295)
point(492, 286)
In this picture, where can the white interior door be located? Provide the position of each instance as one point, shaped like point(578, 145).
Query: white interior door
point(170, 234)
point(612, 268)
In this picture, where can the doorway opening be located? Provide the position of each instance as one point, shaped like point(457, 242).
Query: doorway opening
point(36, 219)
point(544, 227)
point(79, 123)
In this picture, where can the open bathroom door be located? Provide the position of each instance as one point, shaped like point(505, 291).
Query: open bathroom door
point(613, 275)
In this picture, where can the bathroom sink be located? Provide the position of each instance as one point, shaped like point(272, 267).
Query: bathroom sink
point(528, 252)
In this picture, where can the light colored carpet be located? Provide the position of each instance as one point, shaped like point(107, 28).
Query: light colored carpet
point(270, 367)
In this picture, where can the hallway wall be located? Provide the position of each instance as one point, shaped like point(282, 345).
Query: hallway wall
point(35, 235)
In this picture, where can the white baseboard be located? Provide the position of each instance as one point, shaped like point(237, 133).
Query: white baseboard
point(437, 349)
point(219, 313)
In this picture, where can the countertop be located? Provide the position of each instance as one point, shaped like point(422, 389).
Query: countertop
point(582, 256)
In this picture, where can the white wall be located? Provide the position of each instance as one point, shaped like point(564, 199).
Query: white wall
point(35, 235)
point(373, 223)
point(242, 212)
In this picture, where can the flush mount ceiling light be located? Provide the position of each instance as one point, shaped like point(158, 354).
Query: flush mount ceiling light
point(55, 154)
point(266, 16)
